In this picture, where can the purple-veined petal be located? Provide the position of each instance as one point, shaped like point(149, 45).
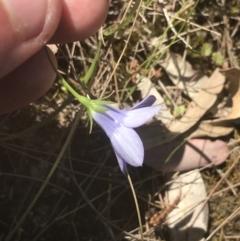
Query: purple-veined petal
point(118, 115)
point(125, 141)
point(114, 110)
point(128, 145)
point(108, 124)
point(122, 163)
point(115, 114)
point(137, 117)
point(148, 101)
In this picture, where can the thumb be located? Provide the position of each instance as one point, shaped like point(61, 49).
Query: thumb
point(25, 26)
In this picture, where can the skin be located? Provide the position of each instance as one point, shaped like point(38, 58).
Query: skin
point(25, 27)
point(193, 154)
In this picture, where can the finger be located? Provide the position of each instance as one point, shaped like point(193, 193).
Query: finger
point(193, 154)
point(26, 83)
point(25, 28)
point(20, 40)
point(80, 19)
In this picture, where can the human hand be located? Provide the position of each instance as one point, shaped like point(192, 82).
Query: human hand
point(25, 27)
point(181, 155)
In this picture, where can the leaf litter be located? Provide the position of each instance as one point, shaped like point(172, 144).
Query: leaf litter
point(197, 121)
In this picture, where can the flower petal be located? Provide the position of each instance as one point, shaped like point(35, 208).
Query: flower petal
point(134, 117)
point(108, 124)
point(125, 141)
point(122, 163)
point(148, 101)
point(137, 117)
point(115, 114)
point(128, 145)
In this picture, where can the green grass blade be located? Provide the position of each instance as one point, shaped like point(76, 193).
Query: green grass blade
point(54, 167)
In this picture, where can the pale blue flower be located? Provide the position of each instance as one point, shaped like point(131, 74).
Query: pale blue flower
point(119, 124)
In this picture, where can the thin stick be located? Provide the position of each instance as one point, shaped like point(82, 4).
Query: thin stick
point(171, 25)
point(136, 203)
point(233, 215)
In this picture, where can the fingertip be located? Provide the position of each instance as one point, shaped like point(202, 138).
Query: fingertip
point(26, 26)
point(80, 19)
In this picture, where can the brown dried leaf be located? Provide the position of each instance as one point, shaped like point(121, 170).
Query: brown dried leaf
point(189, 220)
point(233, 77)
point(183, 75)
point(223, 126)
point(211, 130)
point(202, 102)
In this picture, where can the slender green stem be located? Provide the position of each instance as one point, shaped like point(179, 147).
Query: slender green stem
point(80, 98)
point(54, 167)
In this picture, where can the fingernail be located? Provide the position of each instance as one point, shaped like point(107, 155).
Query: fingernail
point(27, 17)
